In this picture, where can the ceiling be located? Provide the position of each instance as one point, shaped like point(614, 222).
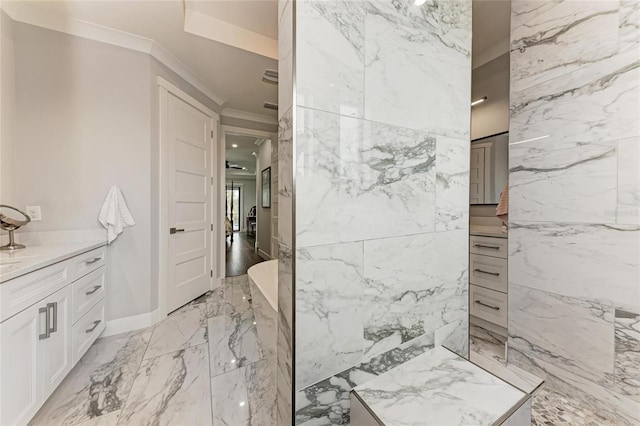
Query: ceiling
point(491, 24)
point(232, 72)
point(242, 154)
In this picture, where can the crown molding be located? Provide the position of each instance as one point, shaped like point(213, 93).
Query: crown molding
point(250, 116)
point(21, 12)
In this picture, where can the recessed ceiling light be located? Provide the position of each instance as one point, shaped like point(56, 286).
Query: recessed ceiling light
point(244, 168)
point(478, 101)
point(420, 2)
point(234, 145)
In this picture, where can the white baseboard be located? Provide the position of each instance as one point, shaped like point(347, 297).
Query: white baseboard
point(264, 255)
point(135, 322)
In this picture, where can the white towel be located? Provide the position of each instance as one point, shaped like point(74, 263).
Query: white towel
point(115, 214)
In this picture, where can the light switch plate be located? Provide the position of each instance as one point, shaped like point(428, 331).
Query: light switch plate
point(34, 213)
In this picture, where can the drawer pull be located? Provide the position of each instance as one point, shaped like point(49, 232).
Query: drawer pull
point(53, 307)
point(95, 288)
point(495, 274)
point(94, 260)
point(486, 246)
point(95, 325)
point(46, 333)
point(495, 308)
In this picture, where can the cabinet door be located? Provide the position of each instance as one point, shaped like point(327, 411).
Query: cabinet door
point(19, 353)
point(55, 352)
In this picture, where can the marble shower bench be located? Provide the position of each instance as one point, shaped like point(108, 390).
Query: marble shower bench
point(439, 388)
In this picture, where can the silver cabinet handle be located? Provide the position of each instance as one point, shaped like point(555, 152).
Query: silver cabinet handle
point(495, 274)
point(495, 308)
point(46, 334)
point(486, 246)
point(53, 307)
point(94, 260)
point(174, 230)
point(95, 288)
point(95, 325)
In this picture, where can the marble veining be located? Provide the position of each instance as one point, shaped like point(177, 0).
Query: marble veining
point(576, 259)
point(555, 182)
point(185, 328)
point(99, 384)
point(413, 285)
point(171, 389)
point(116, 382)
point(452, 184)
point(442, 386)
point(553, 327)
point(328, 310)
point(620, 409)
point(244, 396)
point(417, 65)
point(361, 171)
point(330, 56)
point(549, 39)
point(285, 179)
point(327, 402)
point(285, 56)
point(627, 348)
point(285, 337)
point(521, 417)
point(628, 208)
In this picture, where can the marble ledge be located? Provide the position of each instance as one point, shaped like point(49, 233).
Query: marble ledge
point(443, 386)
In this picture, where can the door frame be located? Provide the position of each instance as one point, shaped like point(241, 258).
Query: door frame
point(165, 88)
point(224, 131)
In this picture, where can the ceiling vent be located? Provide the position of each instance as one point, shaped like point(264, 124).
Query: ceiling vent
point(270, 76)
point(270, 105)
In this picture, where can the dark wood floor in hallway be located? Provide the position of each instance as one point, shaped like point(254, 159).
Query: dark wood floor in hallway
point(240, 254)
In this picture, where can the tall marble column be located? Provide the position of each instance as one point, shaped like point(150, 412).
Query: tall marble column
point(373, 173)
point(574, 243)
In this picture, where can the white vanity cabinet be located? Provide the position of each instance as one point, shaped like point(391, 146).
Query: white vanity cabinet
point(488, 278)
point(47, 322)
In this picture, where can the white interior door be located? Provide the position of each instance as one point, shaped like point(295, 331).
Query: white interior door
point(476, 176)
point(189, 134)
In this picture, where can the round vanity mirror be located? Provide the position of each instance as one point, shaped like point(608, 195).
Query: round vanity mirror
point(11, 219)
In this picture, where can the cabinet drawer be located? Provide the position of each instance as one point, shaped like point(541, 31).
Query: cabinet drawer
point(20, 293)
point(87, 291)
point(489, 272)
point(488, 304)
point(490, 246)
point(87, 330)
point(88, 262)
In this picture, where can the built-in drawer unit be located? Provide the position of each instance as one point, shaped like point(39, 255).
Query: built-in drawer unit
point(488, 304)
point(87, 291)
point(87, 330)
point(490, 246)
point(89, 261)
point(48, 319)
point(489, 272)
point(20, 293)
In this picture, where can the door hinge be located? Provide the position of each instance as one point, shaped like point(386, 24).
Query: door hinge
point(211, 180)
point(212, 226)
point(212, 134)
point(212, 273)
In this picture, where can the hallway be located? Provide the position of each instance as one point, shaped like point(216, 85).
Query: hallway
point(202, 365)
point(240, 254)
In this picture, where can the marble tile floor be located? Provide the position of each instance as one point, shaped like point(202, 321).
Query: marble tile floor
point(487, 349)
point(202, 365)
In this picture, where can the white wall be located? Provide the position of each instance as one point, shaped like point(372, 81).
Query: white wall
point(82, 125)
point(264, 215)
point(7, 109)
point(490, 80)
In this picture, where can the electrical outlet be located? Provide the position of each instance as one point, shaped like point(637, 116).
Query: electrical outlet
point(34, 213)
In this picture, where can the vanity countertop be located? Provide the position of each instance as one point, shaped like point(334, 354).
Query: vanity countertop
point(37, 256)
point(440, 386)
